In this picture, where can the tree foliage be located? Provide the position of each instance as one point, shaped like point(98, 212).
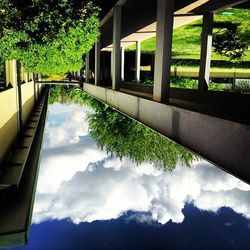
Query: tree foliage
point(48, 36)
point(227, 42)
point(68, 94)
point(123, 137)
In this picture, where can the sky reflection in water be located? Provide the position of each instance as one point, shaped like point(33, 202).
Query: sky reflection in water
point(125, 204)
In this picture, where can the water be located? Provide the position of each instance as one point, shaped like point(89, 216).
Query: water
point(135, 196)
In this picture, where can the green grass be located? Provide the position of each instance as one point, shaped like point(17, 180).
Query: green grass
point(241, 86)
point(186, 39)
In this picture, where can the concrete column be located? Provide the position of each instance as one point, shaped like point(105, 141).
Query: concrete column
point(122, 63)
point(7, 74)
point(87, 68)
point(22, 72)
point(35, 92)
point(77, 75)
point(17, 71)
point(13, 77)
point(116, 60)
point(38, 89)
point(206, 49)
point(26, 77)
point(164, 33)
point(97, 63)
point(111, 64)
point(137, 61)
point(81, 76)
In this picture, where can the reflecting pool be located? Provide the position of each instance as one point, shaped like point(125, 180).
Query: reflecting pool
point(107, 182)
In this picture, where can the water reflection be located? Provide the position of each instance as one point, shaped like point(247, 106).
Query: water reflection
point(104, 176)
point(81, 181)
point(124, 137)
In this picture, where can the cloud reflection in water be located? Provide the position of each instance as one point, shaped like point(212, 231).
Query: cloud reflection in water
point(81, 182)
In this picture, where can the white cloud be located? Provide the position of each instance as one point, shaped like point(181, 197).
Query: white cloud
point(61, 163)
point(79, 181)
point(65, 124)
point(110, 187)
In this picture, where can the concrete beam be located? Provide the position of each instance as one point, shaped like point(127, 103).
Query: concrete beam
point(164, 33)
point(120, 3)
point(137, 61)
point(87, 67)
point(206, 50)
point(116, 60)
point(215, 6)
point(97, 63)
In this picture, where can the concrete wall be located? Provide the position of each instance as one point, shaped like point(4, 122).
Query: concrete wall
point(222, 142)
point(8, 120)
point(9, 107)
point(17, 203)
point(28, 100)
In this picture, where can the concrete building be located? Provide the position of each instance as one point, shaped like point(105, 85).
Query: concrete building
point(22, 116)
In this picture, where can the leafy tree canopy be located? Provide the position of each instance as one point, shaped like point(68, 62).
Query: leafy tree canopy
point(227, 41)
point(48, 36)
point(123, 137)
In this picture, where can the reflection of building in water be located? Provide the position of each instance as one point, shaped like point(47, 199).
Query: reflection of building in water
point(23, 109)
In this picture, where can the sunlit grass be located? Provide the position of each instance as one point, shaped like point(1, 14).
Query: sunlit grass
point(186, 39)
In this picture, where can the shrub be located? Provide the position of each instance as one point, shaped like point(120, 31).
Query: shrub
point(227, 42)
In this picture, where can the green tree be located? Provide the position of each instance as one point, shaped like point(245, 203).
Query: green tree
point(48, 36)
point(227, 42)
point(124, 137)
point(69, 94)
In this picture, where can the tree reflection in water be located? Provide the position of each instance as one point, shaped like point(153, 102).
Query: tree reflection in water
point(121, 136)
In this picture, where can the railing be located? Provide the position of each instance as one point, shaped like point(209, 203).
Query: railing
point(2, 85)
point(228, 104)
point(15, 163)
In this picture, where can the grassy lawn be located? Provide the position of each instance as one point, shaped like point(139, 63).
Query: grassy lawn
point(186, 39)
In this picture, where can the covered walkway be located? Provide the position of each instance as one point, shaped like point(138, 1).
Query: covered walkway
point(215, 125)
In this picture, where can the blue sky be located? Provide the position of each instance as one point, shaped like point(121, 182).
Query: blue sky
point(199, 229)
point(87, 199)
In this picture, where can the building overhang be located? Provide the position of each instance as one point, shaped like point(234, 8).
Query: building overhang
point(139, 18)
